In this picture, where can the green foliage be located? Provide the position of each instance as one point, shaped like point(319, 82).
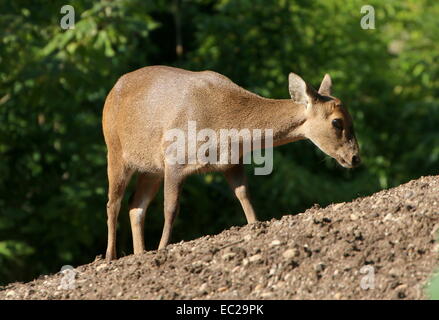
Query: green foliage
point(53, 83)
point(433, 288)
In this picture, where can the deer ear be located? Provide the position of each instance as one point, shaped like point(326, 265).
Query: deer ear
point(325, 86)
point(300, 91)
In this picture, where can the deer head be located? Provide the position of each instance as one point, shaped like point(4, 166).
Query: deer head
point(328, 124)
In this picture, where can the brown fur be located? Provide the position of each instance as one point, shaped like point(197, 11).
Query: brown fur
point(145, 103)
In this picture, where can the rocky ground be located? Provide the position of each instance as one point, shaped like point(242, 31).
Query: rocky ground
point(377, 247)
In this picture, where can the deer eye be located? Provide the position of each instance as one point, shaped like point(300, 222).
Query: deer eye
point(338, 124)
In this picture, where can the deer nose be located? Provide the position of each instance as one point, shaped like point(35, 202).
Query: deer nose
point(356, 161)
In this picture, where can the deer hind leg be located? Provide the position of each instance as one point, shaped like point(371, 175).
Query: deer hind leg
point(118, 178)
point(238, 183)
point(172, 189)
point(146, 190)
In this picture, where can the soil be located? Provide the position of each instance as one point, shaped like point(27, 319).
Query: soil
point(377, 247)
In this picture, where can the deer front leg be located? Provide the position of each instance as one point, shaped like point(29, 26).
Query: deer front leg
point(172, 188)
point(237, 180)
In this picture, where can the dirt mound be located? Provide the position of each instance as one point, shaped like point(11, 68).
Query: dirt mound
point(378, 247)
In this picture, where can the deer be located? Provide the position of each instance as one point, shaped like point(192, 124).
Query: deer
point(145, 103)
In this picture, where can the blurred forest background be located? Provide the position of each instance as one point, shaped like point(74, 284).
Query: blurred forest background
point(53, 83)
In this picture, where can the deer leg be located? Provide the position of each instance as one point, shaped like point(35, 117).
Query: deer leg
point(146, 190)
point(172, 189)
point(236, 178)
point(118, 177)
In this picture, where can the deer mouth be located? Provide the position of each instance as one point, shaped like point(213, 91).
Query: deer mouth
point(344, 163)
point(352, 163)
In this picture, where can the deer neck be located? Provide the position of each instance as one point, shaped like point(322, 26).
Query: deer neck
point(283, 116)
